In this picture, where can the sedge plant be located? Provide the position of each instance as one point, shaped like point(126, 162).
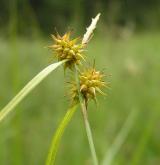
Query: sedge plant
point(84, 87)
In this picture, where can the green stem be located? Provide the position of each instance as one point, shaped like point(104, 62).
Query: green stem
point(144, 138)
point(58, 135)
point(86, 122)
point(120, 139)
point(16, 143)
point(89, 133)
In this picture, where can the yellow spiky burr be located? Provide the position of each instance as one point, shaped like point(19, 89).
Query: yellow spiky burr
point(91, 83)
point(68, 49)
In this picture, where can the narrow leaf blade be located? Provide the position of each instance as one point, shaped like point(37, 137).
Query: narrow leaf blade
point(120, 139)
point(28, 88)
point(58, 135)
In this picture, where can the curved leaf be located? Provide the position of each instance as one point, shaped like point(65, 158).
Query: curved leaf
point(58, 135)
point(28, 88)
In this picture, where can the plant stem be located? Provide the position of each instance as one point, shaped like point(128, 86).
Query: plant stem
point(58, 135)
point(120, 139)
point(89, 133)
point(86, 122)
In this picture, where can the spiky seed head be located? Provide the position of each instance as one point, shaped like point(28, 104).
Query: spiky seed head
point(66, 48)
point(91, 82)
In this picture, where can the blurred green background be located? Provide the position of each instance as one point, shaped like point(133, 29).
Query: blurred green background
point(126, 44)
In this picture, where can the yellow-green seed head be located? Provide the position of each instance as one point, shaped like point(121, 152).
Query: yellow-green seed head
point(67, 49)
point(91, 82)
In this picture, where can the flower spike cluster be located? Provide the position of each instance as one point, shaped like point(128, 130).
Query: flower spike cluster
point(68, 49)
point(91, 82)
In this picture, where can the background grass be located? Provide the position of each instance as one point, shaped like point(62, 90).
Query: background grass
point(133, 63)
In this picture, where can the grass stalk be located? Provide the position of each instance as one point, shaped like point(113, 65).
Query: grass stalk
point(89, 133)
point(58, 135)
point(15, 143)
point(86, 122)
point(144, 138)
point(120, 139)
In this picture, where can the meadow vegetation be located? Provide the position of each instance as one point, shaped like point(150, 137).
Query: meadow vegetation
point(132, 65)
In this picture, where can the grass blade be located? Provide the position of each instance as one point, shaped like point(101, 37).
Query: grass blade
point(58, 135)
point(144, 138)
point(113, 150)
point(28, 88)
